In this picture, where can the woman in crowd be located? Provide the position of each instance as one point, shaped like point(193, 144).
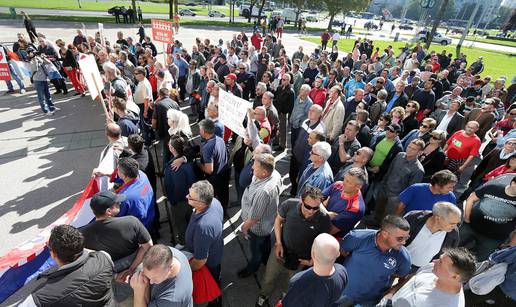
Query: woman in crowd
point(71, 67)
point(433, 156)
point(397, 116)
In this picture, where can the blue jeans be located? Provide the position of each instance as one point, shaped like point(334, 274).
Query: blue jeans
point(15, 77)
point(45, 101)
point(260, 249)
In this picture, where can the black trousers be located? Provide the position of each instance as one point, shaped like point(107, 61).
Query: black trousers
point(220, 183)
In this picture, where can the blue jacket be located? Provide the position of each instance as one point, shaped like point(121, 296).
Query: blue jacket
point(321, 178)
point(507, 255)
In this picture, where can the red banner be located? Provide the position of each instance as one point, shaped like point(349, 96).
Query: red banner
point(5, 74)
point(162, 31)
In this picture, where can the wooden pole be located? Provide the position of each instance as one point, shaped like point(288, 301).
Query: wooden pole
point(101, 98)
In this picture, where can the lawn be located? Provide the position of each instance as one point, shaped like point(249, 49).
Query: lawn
point(486, 40)
point(147, 7)
point(496, 63)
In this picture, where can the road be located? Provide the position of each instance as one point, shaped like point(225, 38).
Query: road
point(322, 23)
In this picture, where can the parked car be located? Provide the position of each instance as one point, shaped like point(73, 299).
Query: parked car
point(438, 37)
point(190, 4)
point(216, 14)
point(337, 23)
point(310, 18)
point(115, 9)
point(186, 12)
point(371, 25)
point(405, 26)
point(457, 31)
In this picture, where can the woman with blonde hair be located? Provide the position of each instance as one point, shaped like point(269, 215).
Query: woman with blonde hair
point(433, 156)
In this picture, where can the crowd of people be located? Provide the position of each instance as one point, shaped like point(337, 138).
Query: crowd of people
point(401, 175)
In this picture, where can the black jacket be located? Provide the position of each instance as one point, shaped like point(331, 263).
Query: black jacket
point(284, 99)
point(417, 220)
point(455, 124)
point(400, 102)
point(84, 282)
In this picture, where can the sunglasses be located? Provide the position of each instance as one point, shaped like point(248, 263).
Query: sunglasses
point(425, 126)
point(241, 68)
point(390, 130)
point(436, 138)
point(310, 208)
point(313, 153)
point(410, 106)
point(379, 82)
point(512, 114)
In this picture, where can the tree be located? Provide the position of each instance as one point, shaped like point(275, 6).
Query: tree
point(440, 14)
point(338, 6)
point(299, 5)
point(260, 11)
point(251, 6)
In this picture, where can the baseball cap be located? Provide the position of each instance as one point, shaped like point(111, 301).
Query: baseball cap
point(231, 76)
point(101, 201)
point(394, 128)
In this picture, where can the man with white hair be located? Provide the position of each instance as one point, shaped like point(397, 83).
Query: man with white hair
point(299, 112)
point(432, 232)
point(261, 88)
point(318, 173)
point(321, 285)
point(272, 113)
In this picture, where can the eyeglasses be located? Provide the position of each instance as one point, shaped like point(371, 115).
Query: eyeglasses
point(193, 199)
point(425, 126)
point(379, 82)
point(307, 207)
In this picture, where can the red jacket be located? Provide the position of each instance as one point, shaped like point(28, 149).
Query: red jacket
point(256, 40)
point(318, 96)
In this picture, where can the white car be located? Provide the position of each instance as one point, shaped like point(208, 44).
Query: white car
point(216, 14)
point(186, 12)
point(438, 38)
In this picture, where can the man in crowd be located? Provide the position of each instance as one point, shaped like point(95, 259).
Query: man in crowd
point(166, 279)
point(284, 96)
point(373, 258)
point(438, 283)
point(322, 284)
point(344, 202)
point(139, 196)
point(259, 207)
point(272, 113)
point(318, 173)
point(484, 116)
point(160, 120)
point(462, 147)
point(432, 231)
point(449, 120)
point(214, 162)
point(422, 196)
point(299, 113)
point(125, 238)
point(204, 237)
point(397, 98)
point(79, 278)
point(404, 171)
point(489, 217)
point(345, 146)
point(297, 224)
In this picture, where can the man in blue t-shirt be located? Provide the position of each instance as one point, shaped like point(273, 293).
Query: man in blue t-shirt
point(138, 192)
point(204, 232)
point(344, 203)
point(423, 196)
point(373, 259)
point(214, 162)
point(322, 284)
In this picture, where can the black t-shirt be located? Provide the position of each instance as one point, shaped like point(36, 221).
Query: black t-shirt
point(118, 236)
point(495, 214)
point(350, 147)
point(309, 289)
point(298, 232)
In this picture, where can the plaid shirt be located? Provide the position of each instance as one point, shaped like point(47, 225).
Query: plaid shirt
point(260, 202)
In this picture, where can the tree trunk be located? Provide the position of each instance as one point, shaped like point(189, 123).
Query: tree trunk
point(133, 4)
point(171, 9)
point(260, 11)
point(298, 12)
point(251, 6)
point(332, 16)
point(440, 14)
point(176, 7)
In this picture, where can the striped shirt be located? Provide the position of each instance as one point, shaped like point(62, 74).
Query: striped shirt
point(260, 202)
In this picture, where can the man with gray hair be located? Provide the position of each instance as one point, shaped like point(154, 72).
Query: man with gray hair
point(259, 206)
point(432, 232)
point(321, 285)
point(204, 238)
point(261, 88)
point(317, 174)
point(272, 113)
point(166, 279)
point(285, 102)
point(299, 112)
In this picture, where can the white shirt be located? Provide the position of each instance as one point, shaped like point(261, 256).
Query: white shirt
point(336, 36)
point(425, 246)
point(143, 90)
point(420, 291)
point(443, 125)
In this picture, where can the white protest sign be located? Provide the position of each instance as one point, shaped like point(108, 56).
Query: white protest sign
point(91, 74)
point(232, 111)
point(101, 31)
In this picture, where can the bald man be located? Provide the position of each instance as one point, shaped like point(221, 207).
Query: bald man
point(112, 151)
point(321, 285)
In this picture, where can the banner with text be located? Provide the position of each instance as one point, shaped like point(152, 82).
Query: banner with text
point(5, 73)
point(162, 31)
point(232, 112)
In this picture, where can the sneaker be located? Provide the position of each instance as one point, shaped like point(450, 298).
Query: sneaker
point(77, 94)
point(262, 301)
point(22, 91)
point(82, 95)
